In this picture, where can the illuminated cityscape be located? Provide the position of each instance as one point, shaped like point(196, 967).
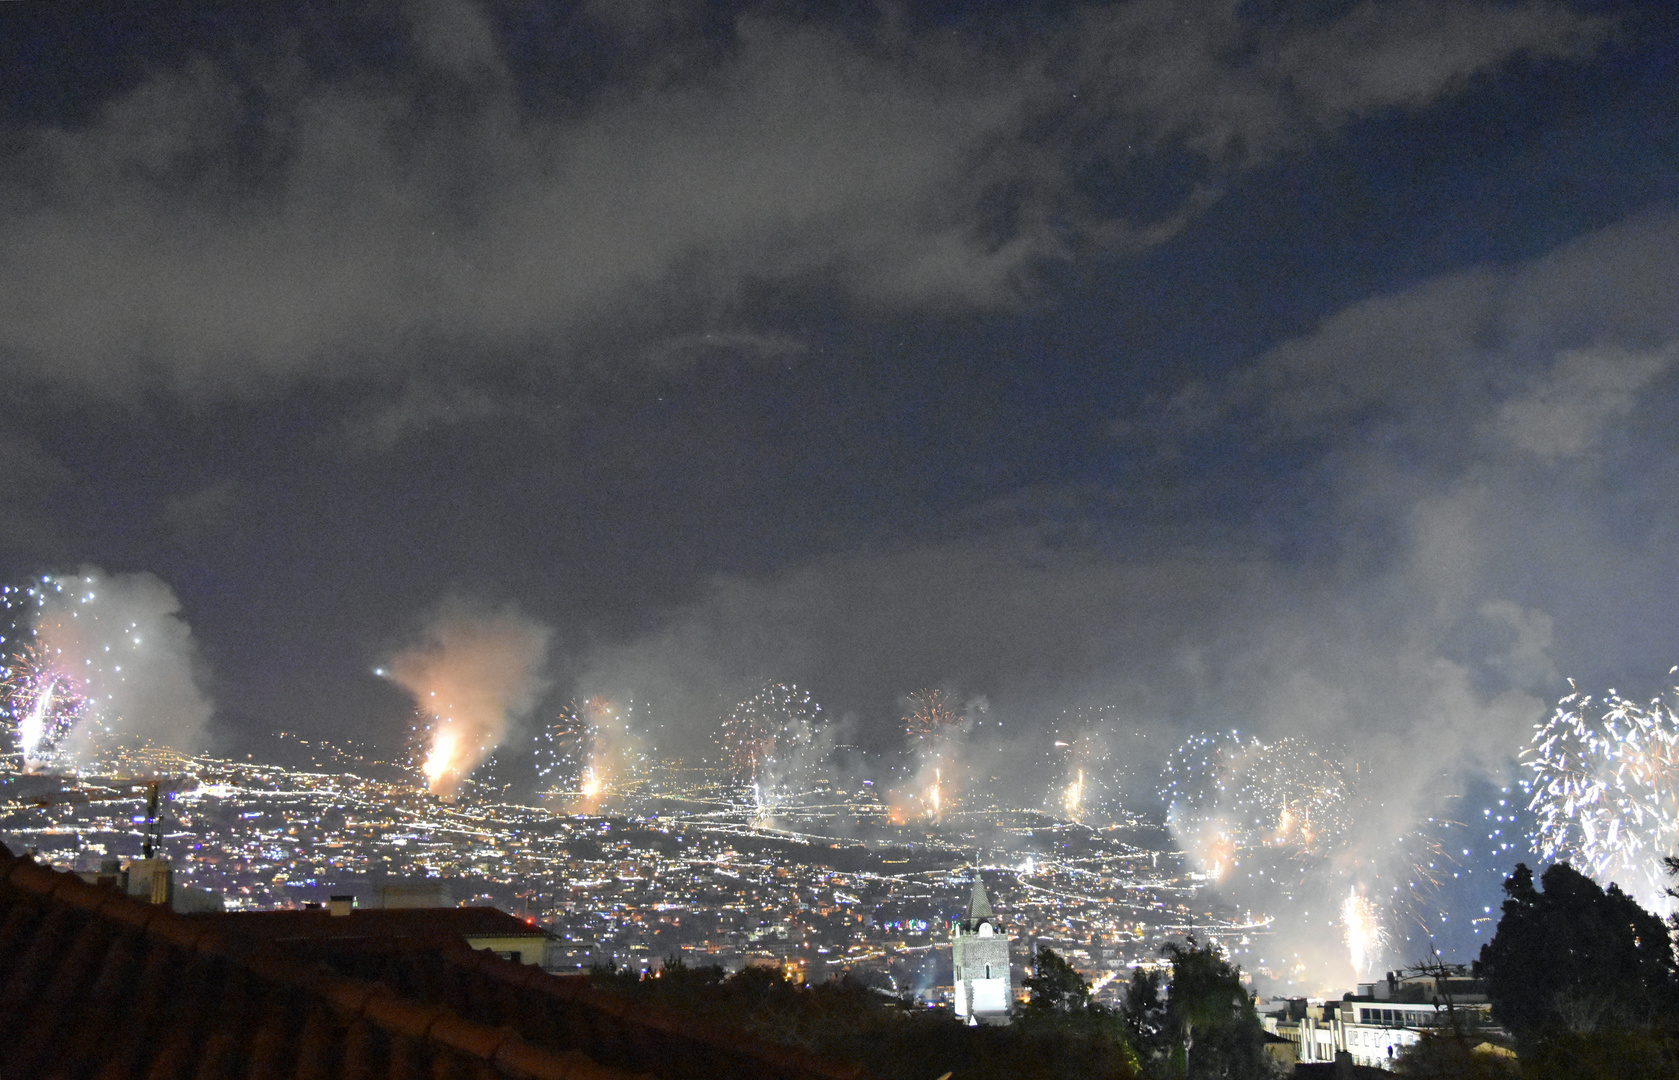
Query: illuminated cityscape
point(737, 483)
point(682, 865)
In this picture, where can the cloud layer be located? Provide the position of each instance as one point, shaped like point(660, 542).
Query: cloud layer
point(209, 232)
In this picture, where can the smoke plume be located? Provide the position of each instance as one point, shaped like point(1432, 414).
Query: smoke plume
point(471, 676)
point(615, 749)
point(121, 639)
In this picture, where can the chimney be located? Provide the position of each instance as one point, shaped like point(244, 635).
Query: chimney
point(340, 905)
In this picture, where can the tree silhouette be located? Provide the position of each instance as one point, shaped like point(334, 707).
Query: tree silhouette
point(1575, 958)
point(1055, 986)
point(1147, 1024)
point(1212, 1022)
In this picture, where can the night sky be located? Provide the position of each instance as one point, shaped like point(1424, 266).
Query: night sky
point(1303, 368)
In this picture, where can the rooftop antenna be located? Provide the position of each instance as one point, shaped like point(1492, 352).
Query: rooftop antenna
point(150, 841)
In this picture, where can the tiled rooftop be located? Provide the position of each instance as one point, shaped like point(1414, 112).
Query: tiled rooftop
point(97, 985)
point(374, 923)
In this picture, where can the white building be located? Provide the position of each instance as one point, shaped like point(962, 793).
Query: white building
point(1374, 1025)
point(980, 953)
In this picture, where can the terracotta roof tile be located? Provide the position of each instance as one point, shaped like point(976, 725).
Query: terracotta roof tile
point(400, 1015)
point(270, 1045)
point(316, 1059)
point(363, 1052)
point(405, 1060)
point(138, 990)
point(136, 915)
point(34, 878)
point(319, 924)
point(348, 996)
point(95, 985)
point(182, 932)
point(220, 1054)
point(475, 1040)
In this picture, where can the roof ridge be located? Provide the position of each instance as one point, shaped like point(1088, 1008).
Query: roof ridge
point(577, 989)
point(352, 999)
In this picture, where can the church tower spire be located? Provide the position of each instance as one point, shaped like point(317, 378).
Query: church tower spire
point(980, 961)
point(979, 904)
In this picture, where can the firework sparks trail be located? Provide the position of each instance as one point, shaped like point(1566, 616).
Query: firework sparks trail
point(1073, 800)
point(33, 727)
point(772, 742)
point(441, 757)
point(1361, 925)
point(1079, 760)
point(44, 705)
point(1604, 790)
point(610, 752)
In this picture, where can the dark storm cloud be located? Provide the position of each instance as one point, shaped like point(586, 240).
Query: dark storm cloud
point(419, 407)
point(1473, 409)
point(188, 239)
point(203, 512)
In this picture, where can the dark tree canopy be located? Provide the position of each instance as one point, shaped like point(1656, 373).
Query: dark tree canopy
point(1209, 1026)
point(1083, 1037)
point(1055, 986)
point(1575, 958)
point(1146, 1021)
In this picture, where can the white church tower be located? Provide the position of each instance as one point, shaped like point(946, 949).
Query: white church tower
point(980, 951)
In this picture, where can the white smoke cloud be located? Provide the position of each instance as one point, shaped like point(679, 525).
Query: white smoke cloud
point(1504, 521)
point(122, 639)
point(1566, 411)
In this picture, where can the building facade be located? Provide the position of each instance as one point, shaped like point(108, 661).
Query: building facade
point(1375, 1025)
point(980, 957)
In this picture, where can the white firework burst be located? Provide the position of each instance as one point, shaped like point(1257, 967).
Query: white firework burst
point(1604, 790)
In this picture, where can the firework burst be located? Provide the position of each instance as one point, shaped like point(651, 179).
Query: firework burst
point(1229, 793)
point(609, 750)
point(771, 740)
point(930, 716)
point(1604, 790)
point(936, 732)
point(562, 751)
point(1278, 822)
point(44, 705)
point(69, 664)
